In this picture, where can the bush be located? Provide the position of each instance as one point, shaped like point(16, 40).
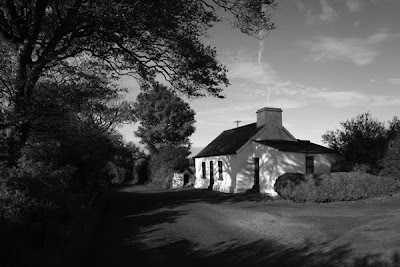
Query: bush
point(391, 160)
point(362, 167)
point(164, 164)
point(333, 187)
point(116, 174)
point(32, 190)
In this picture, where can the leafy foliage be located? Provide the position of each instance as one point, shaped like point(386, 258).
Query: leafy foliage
point(333, 187)
point(165, 119)
point(391, 160)
point(60, 171)
point(31, 190)
point(140, 37)
point(165, 163)
point(87, 41)
point(361, 140)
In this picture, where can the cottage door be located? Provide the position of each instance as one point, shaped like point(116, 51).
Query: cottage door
point(256, 185)
point(211, 175)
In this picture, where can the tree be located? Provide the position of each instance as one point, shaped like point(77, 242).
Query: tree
point(163, 165)
point(165, 119)
point(391, 159)
point(394, 128)
point(361, 140)
point(81, 39)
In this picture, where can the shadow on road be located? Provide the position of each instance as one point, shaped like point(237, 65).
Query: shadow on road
point(135, 212)
point(258, 253)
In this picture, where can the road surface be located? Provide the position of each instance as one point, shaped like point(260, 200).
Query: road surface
point(147, 227)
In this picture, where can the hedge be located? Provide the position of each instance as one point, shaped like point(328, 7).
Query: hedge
point(339, 186)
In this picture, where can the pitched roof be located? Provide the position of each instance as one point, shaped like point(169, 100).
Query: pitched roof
point(229, 141)
point(293, 146)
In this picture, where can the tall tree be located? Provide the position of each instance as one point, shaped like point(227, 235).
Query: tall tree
point(86, 38)
point(165, 119)
point(361, 139)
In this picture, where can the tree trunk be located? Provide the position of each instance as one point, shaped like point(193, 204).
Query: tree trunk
point(25, 80)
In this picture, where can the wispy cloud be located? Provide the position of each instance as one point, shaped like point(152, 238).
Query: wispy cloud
point(263, 86)
point(250, 71)
point(257, 85)
point(353, 5)
point(395, 81)
point(326, 13)
point(360, 51)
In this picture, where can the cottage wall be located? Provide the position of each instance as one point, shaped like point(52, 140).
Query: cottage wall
point(238, 170)
point(245, 173)
point(229, 170)
point(274, 163)
point(323, 162)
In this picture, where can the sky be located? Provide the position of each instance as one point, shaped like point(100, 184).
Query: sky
point(327, 61)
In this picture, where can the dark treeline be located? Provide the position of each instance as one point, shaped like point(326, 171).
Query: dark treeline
point(367, 145)
point(59, 104)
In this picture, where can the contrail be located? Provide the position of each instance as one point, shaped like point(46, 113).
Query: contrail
point(259, 58)
point(260, 47)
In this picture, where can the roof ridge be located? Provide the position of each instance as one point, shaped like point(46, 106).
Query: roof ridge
point(240, 127)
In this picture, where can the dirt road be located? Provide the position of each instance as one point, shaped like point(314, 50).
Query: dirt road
point(146, 227)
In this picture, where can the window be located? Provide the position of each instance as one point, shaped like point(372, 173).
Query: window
point(309, 165)
point(220, 170)
point(203, 170)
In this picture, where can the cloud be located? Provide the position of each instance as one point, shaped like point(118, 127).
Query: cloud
point(359, 51)
point(300, 5)
point(395, 81)
point(250, 71)
point(260, 85)
point(353, 5)
point(326, 13)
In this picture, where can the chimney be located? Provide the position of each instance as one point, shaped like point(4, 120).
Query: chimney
point(272, 117)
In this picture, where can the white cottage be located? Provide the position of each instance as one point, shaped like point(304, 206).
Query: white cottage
point(255, 155)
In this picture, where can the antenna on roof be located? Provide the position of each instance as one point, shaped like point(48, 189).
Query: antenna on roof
point(237, 122)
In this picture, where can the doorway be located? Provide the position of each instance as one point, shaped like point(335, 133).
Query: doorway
point(211, 175)
point(256, 186)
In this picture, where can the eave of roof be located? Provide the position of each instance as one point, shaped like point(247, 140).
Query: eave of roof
point(296, 146)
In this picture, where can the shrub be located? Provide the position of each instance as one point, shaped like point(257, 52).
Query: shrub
point(30, 191)
point(164, 164)
point(116, 174)
point(341, 166)
point(362, 167)
point(332, 187)
point(391, 160)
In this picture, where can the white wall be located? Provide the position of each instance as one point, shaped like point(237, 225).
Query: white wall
point(238, 169)
point(274, 163)
point(245, 170)
point(229, 170)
